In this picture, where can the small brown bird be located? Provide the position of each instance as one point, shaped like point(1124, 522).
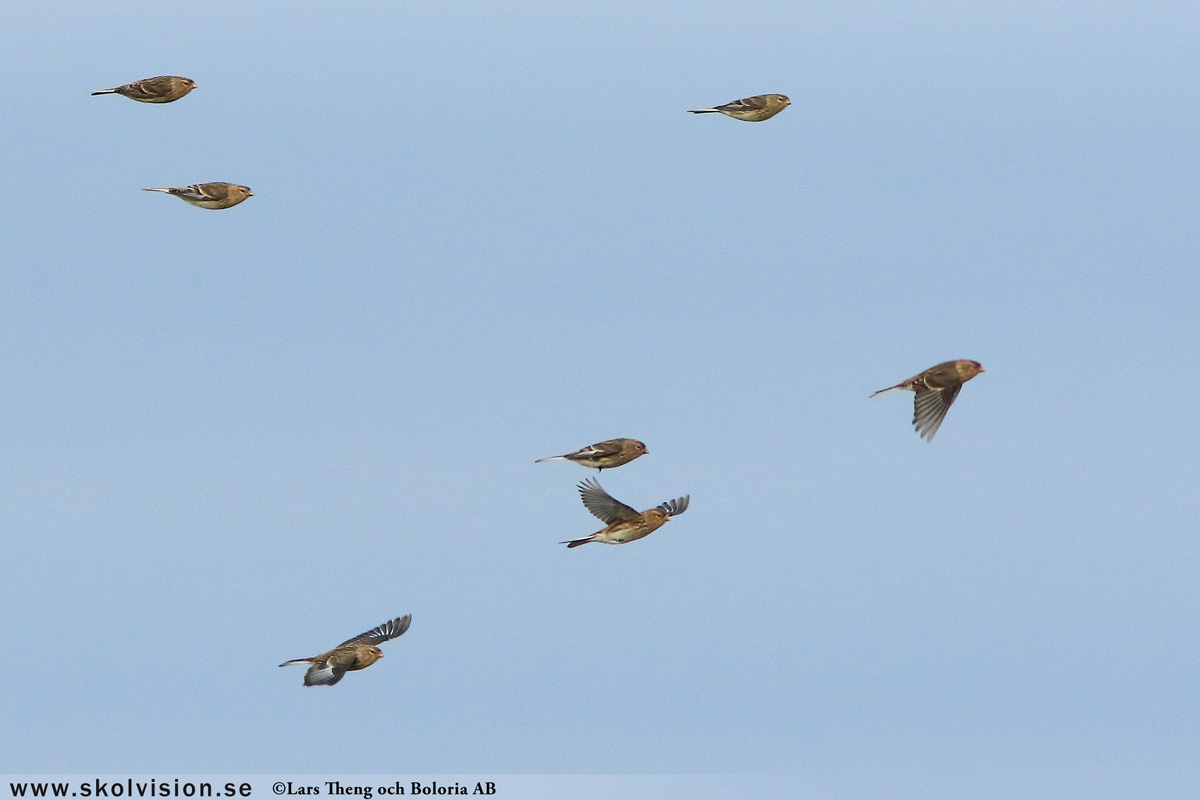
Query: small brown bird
point(357, 653)
point(602, 455)
point(163, 89)
point(750, 109)
point(936, 389)
point(624, 524)
point(207, 195)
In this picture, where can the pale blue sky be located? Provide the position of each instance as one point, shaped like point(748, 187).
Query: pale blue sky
point(483, 233)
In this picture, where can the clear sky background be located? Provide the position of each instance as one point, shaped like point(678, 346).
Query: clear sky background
point(483, 233)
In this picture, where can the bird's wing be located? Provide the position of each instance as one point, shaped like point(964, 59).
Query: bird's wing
point(151, 87)
point(748, 103)
point(930, 407)
point(608, 448)
point(940, 376)
point(202, 191)
point(675, 507)
point(604, 506)
point(386, 631)
point(323, 673)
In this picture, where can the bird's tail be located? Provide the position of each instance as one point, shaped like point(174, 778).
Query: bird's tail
point(704, 111)
point(551, 458)
point(577, 542)
point(890, 389)
point(166, 189)
point(296, 661)
point(104, 91)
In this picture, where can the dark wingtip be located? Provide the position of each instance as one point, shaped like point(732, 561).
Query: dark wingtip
point(589, 484)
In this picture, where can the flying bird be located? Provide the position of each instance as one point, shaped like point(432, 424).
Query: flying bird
point(602, 455)
point(936, 389)
point(750, 109)
point(358, 653)
point(624, 524)
point(208, 195)
point(163, 89)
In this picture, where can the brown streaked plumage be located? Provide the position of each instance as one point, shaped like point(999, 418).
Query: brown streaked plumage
point(163, 89)
point(207, 195)
point(603, 455)
point(358, 653)
point(750, 109)
point(936, 389)
point(624, 523)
